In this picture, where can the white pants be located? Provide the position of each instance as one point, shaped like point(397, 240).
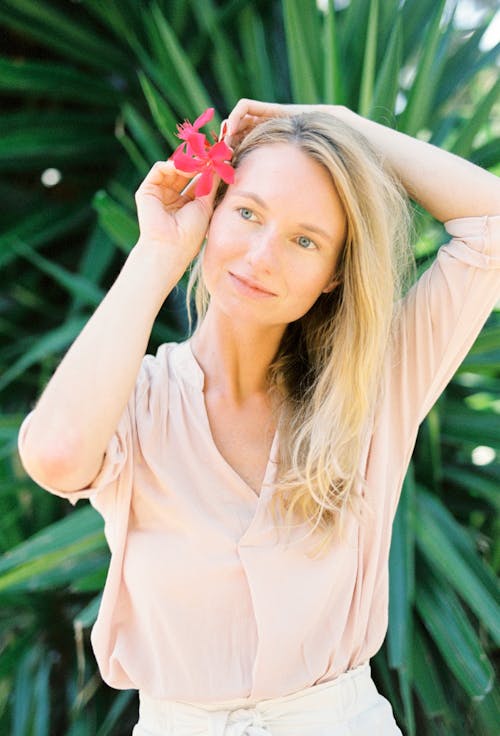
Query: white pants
point(349, 705)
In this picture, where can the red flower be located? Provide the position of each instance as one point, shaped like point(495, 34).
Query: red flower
point(186, 129)
point(200, 156)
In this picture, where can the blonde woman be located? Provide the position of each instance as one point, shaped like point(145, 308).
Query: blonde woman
point(249, 475)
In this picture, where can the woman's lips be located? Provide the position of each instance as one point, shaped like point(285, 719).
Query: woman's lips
point(249, 288)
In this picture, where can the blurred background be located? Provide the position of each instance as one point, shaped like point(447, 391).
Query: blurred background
point(90, 94)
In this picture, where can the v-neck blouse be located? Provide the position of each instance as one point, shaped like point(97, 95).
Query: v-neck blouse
point(202, 602)
point(193, 366)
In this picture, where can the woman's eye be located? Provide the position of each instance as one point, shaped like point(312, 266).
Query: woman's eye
point(305, 242)
point(245, 213)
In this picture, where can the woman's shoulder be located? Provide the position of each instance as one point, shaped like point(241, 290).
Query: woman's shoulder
point(163, 355)
point(172, 361)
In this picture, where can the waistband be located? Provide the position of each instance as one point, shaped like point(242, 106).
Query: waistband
point(326, 704)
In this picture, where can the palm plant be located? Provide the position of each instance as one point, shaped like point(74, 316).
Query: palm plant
point(95, 98)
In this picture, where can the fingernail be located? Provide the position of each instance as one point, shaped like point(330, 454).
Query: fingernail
point(223, 129)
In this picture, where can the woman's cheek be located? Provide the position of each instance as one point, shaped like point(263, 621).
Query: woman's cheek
point(215, 261)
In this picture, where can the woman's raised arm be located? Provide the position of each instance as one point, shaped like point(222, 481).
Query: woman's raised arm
point(445, 184)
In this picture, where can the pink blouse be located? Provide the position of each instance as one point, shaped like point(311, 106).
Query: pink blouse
point(201, 603)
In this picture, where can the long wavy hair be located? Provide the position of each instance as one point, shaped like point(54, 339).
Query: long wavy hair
point(328, 366)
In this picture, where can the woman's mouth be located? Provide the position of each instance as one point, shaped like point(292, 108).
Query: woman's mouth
point(249, 287)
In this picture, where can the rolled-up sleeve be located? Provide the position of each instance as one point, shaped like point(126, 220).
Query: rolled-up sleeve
point(442, 315)
point(146, 403)
point(113, 462)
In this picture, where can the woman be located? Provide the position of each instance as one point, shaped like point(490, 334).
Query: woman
point(293, 407)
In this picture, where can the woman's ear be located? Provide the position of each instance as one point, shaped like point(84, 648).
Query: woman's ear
point(331, 286)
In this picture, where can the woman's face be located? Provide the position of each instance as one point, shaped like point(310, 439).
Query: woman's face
point(281, 227)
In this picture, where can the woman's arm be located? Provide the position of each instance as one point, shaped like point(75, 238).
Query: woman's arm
point(446, 185)
point(81, 405)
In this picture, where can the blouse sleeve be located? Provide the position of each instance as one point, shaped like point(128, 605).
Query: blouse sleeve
point(442, 315)
point(118, 457)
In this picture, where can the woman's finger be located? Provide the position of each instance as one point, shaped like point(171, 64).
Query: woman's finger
point(166, 183)
point(252, 108)
point(164, 173)
point(246, 125)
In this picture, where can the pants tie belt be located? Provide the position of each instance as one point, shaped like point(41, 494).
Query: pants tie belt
point(245, 722)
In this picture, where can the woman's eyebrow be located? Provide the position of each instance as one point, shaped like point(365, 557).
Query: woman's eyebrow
point(256, 198)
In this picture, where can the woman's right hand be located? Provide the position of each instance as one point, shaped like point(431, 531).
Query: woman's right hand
point(170, 215)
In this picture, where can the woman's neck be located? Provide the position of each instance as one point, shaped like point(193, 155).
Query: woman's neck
point(235, 358)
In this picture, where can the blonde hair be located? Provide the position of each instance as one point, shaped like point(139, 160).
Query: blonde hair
point(328, 367)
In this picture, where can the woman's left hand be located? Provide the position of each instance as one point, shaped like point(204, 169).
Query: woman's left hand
point(246, 114)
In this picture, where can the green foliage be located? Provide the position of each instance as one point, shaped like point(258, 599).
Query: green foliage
point(94, 90)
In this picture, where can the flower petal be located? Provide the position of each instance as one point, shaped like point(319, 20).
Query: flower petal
point(225, 171)
point(186, 163)
point(221, 152)
point(204, 183)
point(196, 145)
point(203, 118)
point(179, 148)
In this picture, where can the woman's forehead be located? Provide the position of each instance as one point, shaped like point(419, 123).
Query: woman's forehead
point(274, 155)
point(284, 171)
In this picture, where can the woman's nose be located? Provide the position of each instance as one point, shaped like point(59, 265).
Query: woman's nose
point(264, 249)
